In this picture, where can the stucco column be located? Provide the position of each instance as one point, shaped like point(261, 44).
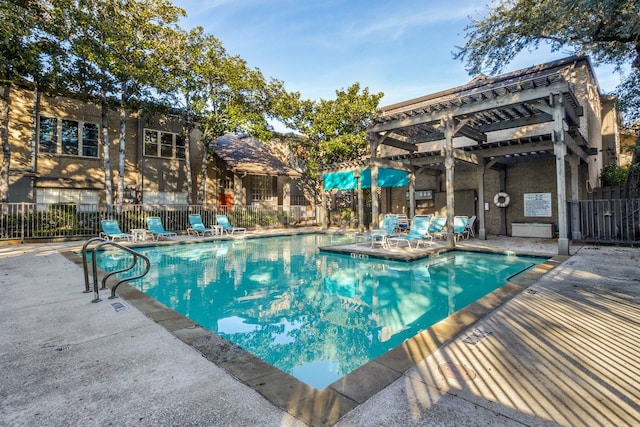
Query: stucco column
point(449, 165)
point(286, 192)
point(238, 191)
point(560, 151)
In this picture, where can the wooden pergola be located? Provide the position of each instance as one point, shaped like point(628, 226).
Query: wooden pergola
point(475, 111)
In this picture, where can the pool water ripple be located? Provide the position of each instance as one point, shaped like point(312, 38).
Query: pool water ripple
point(315, 315)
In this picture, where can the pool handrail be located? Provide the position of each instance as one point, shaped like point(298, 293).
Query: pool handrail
point(107, 242)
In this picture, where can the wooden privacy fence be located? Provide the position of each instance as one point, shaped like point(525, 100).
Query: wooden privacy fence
point(607, 220)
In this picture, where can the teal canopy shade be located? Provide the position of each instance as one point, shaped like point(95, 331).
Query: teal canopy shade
point(340, 181)
point(347, 180)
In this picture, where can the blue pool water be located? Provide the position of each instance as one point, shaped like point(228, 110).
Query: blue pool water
point(316, 315)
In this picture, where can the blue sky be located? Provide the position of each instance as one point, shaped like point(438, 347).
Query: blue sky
point(402, 48)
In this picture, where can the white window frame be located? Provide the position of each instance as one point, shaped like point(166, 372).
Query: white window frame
point(261, 188)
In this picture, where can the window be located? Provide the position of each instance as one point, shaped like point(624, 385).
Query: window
point(262, 188)
point(90, 140)
point(164, 198)
point(70, 139)
point(227, 182)
point(87, 200)
point(163, 144)
point(48, 135)
point(76, 138)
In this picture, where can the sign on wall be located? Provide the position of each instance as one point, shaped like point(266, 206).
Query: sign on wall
point(537, 204)
point(422, 195)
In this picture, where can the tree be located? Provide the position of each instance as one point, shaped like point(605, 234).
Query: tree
point(135, 46)
point(335, 130)
point(607, 30)
point(185, 56)
point(24, 40)
point(218, 94)
point(115, 44)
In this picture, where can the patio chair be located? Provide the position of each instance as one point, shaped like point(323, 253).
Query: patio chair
point(469, 229)
point(419, 232)
point(460, 226)
point(380, 236)
point(197, 227)
point(154, 224)
point(111, 230)
point(436, 227)
point(223, 221)
point(403, 224)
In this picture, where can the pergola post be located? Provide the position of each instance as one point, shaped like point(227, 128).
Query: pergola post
point(375, 209)
point(481, 168)
point(412, 193)
point(560, 151)
point(373, 141)
point(323, 207)
point(449, 164)
point(356, 173)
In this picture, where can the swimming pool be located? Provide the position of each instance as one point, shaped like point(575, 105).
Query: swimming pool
point(315, 315)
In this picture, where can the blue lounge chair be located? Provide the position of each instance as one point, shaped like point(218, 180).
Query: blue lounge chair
point(111, 230)
point(381, 235)
point(436, 228)
point(419, 232)
point(154, 224)
point(223, 221)
point(460, 226)
point(197, 226)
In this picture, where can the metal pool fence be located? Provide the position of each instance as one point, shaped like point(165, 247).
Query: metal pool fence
point(32, 221)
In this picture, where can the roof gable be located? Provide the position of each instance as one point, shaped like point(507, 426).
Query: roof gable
point(246, 155)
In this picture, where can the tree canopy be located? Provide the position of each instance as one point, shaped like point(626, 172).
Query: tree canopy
point(607, 30)
point(133, 54)
point(334, 130)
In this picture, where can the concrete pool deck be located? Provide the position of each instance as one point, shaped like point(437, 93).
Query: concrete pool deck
point(563, 352)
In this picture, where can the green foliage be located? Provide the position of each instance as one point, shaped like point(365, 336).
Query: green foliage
point(335, 129)
point(606, 30)
point(613, 175)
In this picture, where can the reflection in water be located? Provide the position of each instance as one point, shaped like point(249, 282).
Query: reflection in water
point(317, 316)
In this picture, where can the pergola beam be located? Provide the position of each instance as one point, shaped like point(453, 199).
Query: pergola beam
point(526, 95)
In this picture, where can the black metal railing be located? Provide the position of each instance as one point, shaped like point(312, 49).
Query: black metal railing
point(32, 221)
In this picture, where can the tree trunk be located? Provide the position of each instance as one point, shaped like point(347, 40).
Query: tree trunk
point(6, 149)
point(104, 112)
point(188, 126)
point(121, 146)
point(202, 187)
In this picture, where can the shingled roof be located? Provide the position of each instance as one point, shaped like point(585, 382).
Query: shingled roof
point(246, 155)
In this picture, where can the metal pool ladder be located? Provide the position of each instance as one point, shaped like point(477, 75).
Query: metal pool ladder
point(99, 243)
